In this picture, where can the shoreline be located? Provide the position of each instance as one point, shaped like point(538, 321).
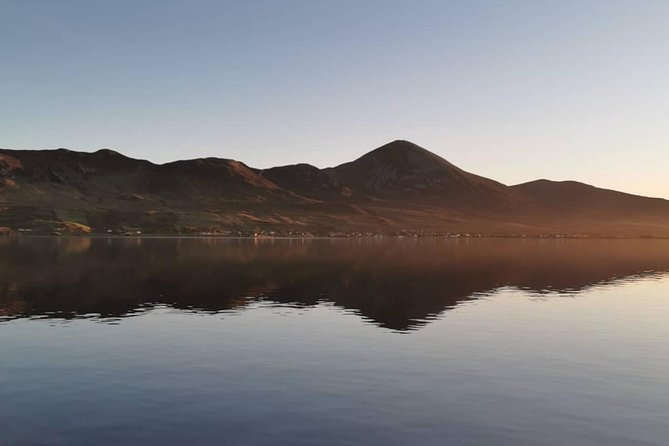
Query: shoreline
point(338, 237)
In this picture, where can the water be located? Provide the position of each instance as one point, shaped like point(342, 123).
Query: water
point(333, 342)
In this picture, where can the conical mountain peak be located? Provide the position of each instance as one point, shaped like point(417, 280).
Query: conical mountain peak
point(404, 169)
point(404, 153)
point(401, 145)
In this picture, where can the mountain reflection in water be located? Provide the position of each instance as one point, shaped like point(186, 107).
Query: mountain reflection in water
point(397, 284)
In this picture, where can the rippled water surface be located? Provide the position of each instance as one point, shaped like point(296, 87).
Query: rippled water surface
point(333, 342)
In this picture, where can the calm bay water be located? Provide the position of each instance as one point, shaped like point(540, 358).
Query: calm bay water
point(334, 342)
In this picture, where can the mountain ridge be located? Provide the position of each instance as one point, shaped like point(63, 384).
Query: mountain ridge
point(397, 188)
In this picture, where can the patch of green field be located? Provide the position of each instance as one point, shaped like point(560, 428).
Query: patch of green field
point(72, 215)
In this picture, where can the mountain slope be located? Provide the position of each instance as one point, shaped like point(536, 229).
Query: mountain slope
point(572, 196)
point(105, 190)
point(307, 180)
point(109, 173)
point(399, 187)
point(572, 207)
point(402, 170)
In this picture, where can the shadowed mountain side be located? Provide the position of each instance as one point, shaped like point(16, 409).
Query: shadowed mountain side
point(105, 190)
point(571, 196)
point(403, 170)
point(573, 204)
point(397, 188)
point(308, 180)
point(111, 176)
point(395, 284)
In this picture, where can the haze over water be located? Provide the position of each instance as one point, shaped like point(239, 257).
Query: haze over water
point(254, 342)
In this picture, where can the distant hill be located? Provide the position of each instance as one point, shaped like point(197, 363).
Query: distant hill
point(572, 196)
point(397, 188)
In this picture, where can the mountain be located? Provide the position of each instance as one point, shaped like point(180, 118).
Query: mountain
point(571, 206)
point(108, 191)
point(397, 188)
point(307, 180)
point(111, 175)
point(402, 170)
point(572, 197)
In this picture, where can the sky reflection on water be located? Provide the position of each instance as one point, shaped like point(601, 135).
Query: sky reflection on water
point(334, 343)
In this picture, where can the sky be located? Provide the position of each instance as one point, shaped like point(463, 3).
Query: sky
point(512, 90)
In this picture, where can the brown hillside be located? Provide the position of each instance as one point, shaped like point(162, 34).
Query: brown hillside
point(398, 187)
point(402, 170)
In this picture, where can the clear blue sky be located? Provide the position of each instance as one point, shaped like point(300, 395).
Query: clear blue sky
point(513, 90)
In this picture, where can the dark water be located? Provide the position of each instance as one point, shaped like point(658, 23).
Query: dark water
point(298, 342)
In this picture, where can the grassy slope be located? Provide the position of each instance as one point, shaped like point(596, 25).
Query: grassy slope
point(398, 186)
